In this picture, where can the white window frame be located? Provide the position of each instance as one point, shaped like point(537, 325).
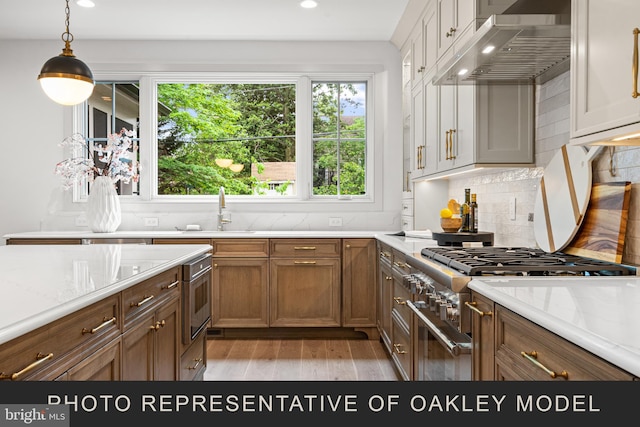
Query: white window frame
point(304, 146)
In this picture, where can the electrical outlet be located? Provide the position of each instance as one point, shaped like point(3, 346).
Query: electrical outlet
point(81, 221)
point(335, 222)
point(530, 217)
point(512, 208)
point(151, 222)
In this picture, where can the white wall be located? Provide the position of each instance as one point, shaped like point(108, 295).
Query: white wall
point(32, 199)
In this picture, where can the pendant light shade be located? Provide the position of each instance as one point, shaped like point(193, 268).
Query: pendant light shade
point(64, 78)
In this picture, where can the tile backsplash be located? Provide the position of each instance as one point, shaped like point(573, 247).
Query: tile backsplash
point(496, 188)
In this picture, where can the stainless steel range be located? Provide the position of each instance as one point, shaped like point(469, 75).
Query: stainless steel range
point(438, 282)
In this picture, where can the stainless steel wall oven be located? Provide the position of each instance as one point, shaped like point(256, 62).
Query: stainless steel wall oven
point(196, 297)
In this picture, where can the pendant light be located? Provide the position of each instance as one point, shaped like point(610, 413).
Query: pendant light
point(64, 78)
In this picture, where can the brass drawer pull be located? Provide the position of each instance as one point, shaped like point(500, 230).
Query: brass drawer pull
point(385, 255)
point(159, 324)
point(634, 63)
point(400, 301)
point(304, 248)
point(400, 264)
point(472, 307)
point(105, 322)
point(398, 349)
point(533, 358)
point(304, 262)
point(40, 359)
point(172, 285)
point(198, 361)
point(388, 278)
point(144, 301)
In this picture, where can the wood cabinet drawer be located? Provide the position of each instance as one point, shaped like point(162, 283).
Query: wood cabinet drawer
point(551, 357)
point(305, 248)
point(401, 347)
point(46, 348)
point(193, 361)
point(400, 262)
point(400, 296)
point(245, 248)
point(145, 296)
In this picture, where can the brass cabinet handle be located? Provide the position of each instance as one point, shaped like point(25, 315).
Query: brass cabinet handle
point(304, 262)
point(533, 358)
point(159, 324)
point(472, 307)
point(451, 132)
point(400, 301)
point(634, 63)
point(144, 301)
point(304, 248)
point(451, 31)
point(421, 69)
point(388, 278)
point(385, 254)
point(446, 145)
point(40, 359)
point(105, 322)
point(398, 349)
point(172, 285)
point(198, 362)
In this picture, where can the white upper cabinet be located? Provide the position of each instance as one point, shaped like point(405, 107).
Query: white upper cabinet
point(603, 75)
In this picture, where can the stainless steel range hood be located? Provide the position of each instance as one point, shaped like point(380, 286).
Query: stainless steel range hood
point(527, 49)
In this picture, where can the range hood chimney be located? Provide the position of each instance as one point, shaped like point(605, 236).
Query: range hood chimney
point(529, 43)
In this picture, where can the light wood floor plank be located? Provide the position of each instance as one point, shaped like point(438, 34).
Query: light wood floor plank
point(269, 359)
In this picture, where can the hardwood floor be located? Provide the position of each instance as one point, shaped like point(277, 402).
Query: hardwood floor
point(297, 359)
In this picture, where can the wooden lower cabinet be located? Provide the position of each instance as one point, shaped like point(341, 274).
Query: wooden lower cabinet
point(385, 294)
point(305, 292)
point(240, 293)
point(193, 361)
point(483, 335)
point(151, 344)
point(359, 274)
point(102, 365)
point(509, 347)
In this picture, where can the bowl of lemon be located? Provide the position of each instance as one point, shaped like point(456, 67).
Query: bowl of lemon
point(450, 219)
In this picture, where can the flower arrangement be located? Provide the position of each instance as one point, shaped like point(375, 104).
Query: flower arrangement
point(117, 158)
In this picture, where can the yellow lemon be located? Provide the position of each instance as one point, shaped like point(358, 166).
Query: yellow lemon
point(445, 213)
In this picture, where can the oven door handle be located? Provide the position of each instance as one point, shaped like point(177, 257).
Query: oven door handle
point(456, 349)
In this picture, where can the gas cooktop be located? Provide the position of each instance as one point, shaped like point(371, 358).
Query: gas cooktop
point(520, 261)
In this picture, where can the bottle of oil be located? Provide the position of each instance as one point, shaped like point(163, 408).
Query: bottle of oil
point(464, 211)
point(473, 214)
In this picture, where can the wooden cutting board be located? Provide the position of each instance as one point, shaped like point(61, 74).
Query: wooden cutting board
point(602, 232)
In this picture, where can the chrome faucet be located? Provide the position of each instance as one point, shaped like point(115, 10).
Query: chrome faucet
point(221, 205)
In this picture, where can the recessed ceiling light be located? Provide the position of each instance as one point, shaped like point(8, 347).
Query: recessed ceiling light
point(308, 4)
point(488, 49)
point(85, 3)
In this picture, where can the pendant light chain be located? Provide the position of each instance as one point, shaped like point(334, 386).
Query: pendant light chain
point(67, 37)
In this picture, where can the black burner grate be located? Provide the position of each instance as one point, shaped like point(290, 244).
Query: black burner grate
point(522, 261)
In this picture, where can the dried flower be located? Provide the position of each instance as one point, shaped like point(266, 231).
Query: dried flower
point(117, 159)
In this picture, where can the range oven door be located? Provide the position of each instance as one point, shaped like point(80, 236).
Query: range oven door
point(442, 353)
point(196, 297)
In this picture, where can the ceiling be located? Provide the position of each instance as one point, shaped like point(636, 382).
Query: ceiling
point(332, 20)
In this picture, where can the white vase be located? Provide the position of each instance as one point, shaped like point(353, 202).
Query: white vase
point(103, 206)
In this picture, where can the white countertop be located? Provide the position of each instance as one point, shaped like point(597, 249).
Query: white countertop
point(599, 314)
point(42, 283)
point(205, 234)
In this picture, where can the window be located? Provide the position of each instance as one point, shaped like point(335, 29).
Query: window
point(111, 107)
point(339, 138)
point(259, 136)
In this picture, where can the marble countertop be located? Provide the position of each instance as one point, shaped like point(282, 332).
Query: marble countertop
point(42, 283)
point(596, 313)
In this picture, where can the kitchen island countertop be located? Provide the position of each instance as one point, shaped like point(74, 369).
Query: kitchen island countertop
point(43, 283)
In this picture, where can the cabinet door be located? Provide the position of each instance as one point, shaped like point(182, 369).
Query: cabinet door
point(359, 274)
point(385, 293)
point(167, 342)
point(240, 293)
point(601, 67)
point(103, 365)
point(483, 338)
point(417, 131)
point(305, 292)
point(137, 350)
